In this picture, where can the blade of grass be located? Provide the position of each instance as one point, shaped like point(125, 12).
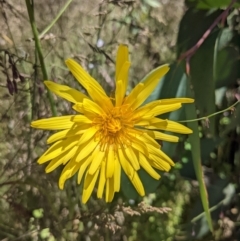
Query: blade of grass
point(55, 19)
point(196, 156)
point(30, 9)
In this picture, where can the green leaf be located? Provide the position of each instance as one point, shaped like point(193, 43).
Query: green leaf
point(201, 71)
point(153, 3)
point(221, 192)
point(192, 27)
point(227, 67)
point(38, 213)
point(149, 184)
point(234, 121)
point(196, 157)
point(225, 61)
point(209, 4)
point(224, 38)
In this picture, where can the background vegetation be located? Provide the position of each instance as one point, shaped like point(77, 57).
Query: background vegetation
point(199, 198)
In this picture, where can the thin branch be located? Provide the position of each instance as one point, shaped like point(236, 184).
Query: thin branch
point(189, 53)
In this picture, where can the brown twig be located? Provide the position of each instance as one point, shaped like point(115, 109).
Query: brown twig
point(189, 53)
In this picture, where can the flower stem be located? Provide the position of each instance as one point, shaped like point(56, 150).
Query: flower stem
point(30, 8)
point(209, 116)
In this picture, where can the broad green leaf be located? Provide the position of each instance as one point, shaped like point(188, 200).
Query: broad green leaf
point(207, 146)
point(192, 27)
point(209, 4)
point(196, 157)
point(227, 67)
point(150, 184)
point(221, 192)
point(201, 71)
point(224, 38)
point(225, 60)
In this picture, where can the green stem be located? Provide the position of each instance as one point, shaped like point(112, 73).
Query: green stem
point(30, 9)
point(209, 116)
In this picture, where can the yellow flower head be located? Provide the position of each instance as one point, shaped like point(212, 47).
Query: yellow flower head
point(110, 134)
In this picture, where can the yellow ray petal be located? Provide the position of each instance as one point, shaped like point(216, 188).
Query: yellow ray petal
point(78, 107)
point(77, 131)
point(138, 184)
point(132, 158)
point(58, 136)
point(68, 171)
point(176, 100)
point(57, 149)
point(122, 57)
point(119, 93)
point(93, 108)
point(158, 152)
point(54, 163)
point(60, 160)
point(65, 92)
point(83, 166)
point(147, 167)
point(148, 123)
point(110, 163)
point(162, 136)
point(160, 164)
point(171, 101)
point(82, 76)
point(159, 110)
point(150, 82)
point(54, 123)
point(97, 157)
point(129, 100)
point(87, 149)
point(89, 184)
point(172, 126)
point(178, 128)
point(109, 190)
point(153, 109)
point(88, 135)
point(117, 174)
point(127, 167)
point(121, 84)
point(148, 140)
point(82, 119)
point(139, 145)
point(142, 122)
point(102, 180)
point(103, 101)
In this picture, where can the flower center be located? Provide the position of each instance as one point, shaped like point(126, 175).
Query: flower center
point(113, 127)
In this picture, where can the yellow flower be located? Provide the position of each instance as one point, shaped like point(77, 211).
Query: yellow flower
point(110, 134)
